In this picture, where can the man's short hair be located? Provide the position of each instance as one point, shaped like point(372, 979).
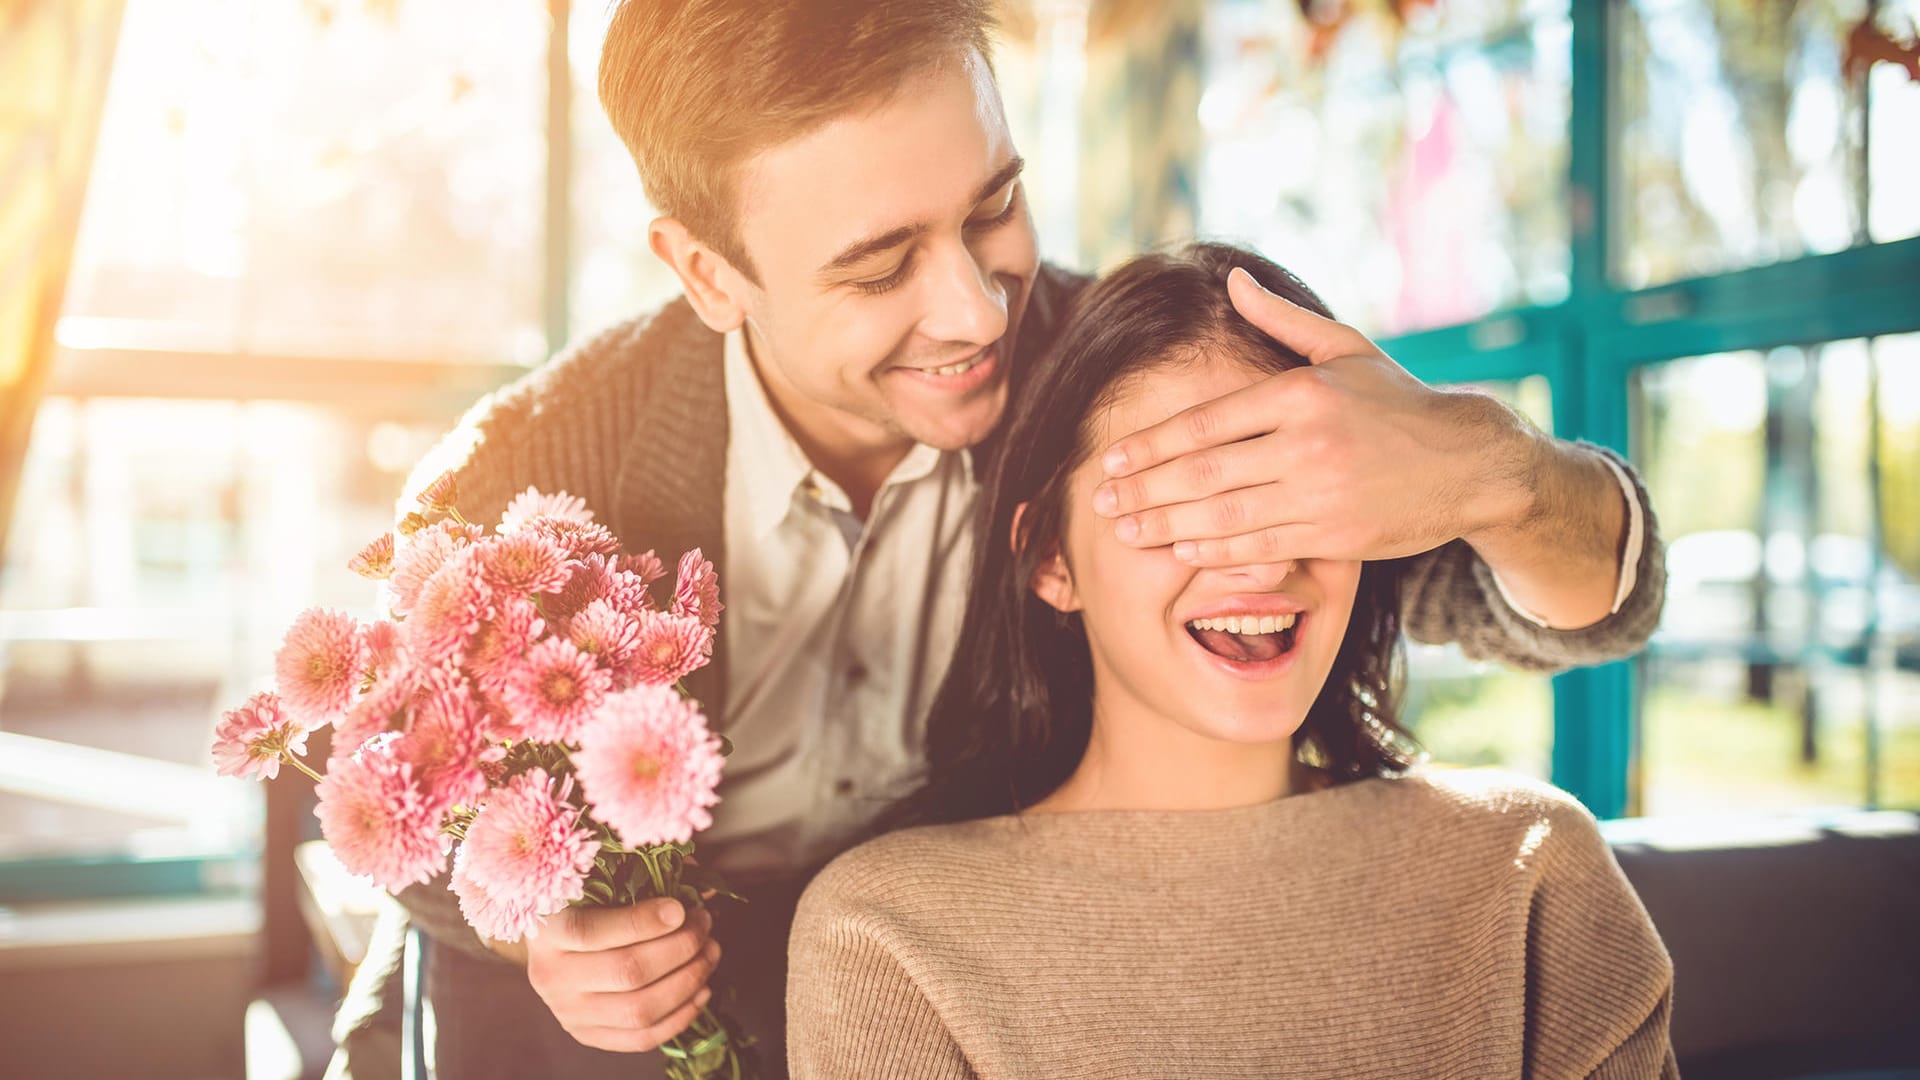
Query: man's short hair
point(694, 87)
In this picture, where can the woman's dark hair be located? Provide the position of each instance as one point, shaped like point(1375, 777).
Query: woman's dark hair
point(1013, 717)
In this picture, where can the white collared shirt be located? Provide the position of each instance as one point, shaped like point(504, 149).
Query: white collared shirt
point(838, 633)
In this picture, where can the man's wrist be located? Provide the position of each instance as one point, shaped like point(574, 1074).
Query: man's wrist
point(1509, 460)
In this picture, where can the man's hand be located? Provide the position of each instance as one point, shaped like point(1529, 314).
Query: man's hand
point(1354, 458)
point(626, 978)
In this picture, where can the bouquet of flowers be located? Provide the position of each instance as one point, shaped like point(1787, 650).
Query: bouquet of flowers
point(521, 712)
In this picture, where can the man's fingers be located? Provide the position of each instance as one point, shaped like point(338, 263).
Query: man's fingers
point(1193, 476)
point(585, 929)
point(653, 1037)
point(1313, 336)
point(1242, 414)
point(1275, 543)
point(637, 1010)
point(632, 967)
point(1232, 513)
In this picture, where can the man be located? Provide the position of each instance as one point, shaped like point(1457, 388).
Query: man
point(842, 203)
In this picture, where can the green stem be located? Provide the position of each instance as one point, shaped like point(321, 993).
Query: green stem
point(301, 765)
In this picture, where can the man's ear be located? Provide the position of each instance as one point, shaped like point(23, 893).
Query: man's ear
point(1052, 581)
point(716, 290)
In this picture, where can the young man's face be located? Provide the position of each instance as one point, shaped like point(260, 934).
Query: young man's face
point(895, 254)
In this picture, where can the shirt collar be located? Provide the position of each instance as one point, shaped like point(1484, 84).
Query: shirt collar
point(762, 455)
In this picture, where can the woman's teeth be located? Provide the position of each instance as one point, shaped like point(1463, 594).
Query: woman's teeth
point(960, 368)
point(1265, 624)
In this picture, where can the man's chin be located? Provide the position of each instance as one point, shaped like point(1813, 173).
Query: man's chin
point(961, 429)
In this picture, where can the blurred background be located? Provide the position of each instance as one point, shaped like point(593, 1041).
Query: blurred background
point(255, 256)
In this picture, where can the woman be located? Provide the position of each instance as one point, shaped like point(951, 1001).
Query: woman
point(1170, 825)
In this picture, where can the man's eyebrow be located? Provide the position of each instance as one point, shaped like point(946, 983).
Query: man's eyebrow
point(858, 251)
point(873, 245)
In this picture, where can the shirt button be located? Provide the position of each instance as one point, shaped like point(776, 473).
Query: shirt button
point(843, 787)
point(856, 673)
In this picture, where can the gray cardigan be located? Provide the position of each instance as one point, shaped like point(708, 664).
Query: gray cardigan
point(634, 421)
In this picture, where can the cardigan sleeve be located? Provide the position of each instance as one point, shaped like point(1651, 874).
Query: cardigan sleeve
point(1450, 594)
point(853, 1010)
point(1599, 983)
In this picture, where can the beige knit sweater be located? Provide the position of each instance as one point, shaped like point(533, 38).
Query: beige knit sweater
point(1444, 924)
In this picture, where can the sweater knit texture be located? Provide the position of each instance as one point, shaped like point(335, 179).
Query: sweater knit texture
point(1440, 924)
point(634, 421)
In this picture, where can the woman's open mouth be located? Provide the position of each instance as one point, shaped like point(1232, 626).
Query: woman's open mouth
point(1253, 641)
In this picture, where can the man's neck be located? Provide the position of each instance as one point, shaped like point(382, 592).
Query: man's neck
point(855, 454)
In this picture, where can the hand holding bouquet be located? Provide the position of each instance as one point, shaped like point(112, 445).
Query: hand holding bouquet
point(521, 710)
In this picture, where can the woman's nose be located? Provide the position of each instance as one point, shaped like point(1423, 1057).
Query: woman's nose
point(1261, 575)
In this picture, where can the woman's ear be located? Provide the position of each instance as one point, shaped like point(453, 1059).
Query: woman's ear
point(713, 287)
point(1051, 580)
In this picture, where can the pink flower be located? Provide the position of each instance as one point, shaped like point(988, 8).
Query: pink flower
point(645, 566)
point(648, 767)
point(696, 589)
point(553, 690)
point(531, 504)
point(375, 560)
point(446, 743)
point(523, 564)
point(384, 649)
point(605, 633)
point(378, 821)
point(596, 578)
point(452, 606)
point(381, 709)
point(319, 665)
point(251, 740)
point(578, 539)
point(502, 640)
point(422, 556)
point(439, 496)
point(671, 648)
point(490, 914)
point(525, 857)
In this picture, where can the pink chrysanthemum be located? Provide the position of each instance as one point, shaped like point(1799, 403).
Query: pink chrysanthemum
point(453, 605)
point(439, 496)
point(320, 664)
point(528, 855)
point(374, 561)
point(384, 649)
point(553, 690)
point(524, 563)
point(489, 914)
point(378, 820)
point(578, 539)
point(532, 503)
point(605, 633)
point(422, 556)
point(252, 739)
point(596, 578)
point(648, 767)
point(671, 648)
point(388, 704)
point(502, 640)
point(696, 589)
point(646, 566)
point(446, 743)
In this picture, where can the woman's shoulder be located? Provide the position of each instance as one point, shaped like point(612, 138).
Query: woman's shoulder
point(1509, 815)
point(900, 874)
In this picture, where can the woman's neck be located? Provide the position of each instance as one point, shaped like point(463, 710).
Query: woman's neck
point(1138, 762)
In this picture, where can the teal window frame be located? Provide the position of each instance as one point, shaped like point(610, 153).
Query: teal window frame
point(1590, 345)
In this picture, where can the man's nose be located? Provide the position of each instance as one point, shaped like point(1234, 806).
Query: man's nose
point(964, 303)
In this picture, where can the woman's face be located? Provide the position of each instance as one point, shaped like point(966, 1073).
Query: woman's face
point(1236, 654)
